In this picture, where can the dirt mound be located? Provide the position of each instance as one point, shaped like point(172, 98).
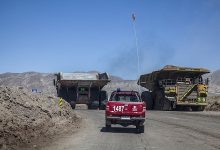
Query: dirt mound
point(25, 117)
point(213, 103)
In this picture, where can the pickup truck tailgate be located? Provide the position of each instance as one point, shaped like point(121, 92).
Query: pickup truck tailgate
point(125, 108)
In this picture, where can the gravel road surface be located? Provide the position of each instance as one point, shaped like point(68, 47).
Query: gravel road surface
point(164, 130)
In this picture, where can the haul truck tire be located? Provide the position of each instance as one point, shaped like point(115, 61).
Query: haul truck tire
point(162, 103)
point(94, 98)
point(63, 93)
point(103, 100)
point(158, 102)
point(147, 98)
point(167, 105)
point(198, 108)
point(73, 104)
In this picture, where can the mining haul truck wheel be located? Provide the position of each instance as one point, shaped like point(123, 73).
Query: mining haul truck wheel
point(198, 108)
point(147, 98)
point(159, 100)
point(162, 103)
point(73, 104)
point(167, 104)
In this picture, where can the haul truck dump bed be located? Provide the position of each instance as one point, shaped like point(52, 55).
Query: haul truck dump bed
point(176, 87)
point(82, 88)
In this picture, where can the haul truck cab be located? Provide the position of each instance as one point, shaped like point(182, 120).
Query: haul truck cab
point(82, 88)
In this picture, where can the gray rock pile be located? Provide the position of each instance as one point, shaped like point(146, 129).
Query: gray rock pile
point(213, 103)
point(26, 116)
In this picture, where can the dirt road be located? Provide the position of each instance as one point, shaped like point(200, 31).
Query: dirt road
point(163, 131)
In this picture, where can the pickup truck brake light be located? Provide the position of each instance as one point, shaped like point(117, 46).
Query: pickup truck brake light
point(144, 107)
point(107, 107)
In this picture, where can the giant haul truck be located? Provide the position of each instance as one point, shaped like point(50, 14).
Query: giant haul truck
point(82, 88)
point(175, 87)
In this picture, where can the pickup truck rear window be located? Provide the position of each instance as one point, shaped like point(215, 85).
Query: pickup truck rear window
point(125, 98)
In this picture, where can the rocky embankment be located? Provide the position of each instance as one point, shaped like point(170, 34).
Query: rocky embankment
point(213, 103)
point(26, 117)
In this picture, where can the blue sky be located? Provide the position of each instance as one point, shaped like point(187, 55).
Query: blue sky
point(71, 35)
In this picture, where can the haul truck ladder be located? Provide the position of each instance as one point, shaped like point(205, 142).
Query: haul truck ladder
point(189, 90)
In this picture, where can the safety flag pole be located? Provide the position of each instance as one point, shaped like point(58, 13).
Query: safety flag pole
point(137, 48)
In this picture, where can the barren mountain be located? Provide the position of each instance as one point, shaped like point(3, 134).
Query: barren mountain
point(214, 91)
point(30, 80)
point(214, 84)
point(43, 82)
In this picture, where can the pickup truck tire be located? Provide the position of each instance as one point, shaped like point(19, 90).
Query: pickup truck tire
point(140, 129)
point(107, 124)
point(107, 127)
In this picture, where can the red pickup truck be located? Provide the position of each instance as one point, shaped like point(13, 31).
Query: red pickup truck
point(125, 108)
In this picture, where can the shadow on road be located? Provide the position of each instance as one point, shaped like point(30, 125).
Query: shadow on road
point(119, 130)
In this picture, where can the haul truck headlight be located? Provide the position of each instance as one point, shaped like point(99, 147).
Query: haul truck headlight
point(170, 90)
point(201, 100)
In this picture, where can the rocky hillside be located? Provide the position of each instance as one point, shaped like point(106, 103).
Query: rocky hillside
point(43, 82)
point(213, 103)
point(214, 85)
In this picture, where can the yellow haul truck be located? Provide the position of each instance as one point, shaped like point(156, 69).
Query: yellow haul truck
point(176, 87)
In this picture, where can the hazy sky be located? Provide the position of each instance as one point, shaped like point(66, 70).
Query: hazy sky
point(67, 36)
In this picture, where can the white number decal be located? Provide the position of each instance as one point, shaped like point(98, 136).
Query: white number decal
point(118, 108)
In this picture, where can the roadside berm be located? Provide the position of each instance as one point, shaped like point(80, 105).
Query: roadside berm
point(26, 117)
point(213, 103)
